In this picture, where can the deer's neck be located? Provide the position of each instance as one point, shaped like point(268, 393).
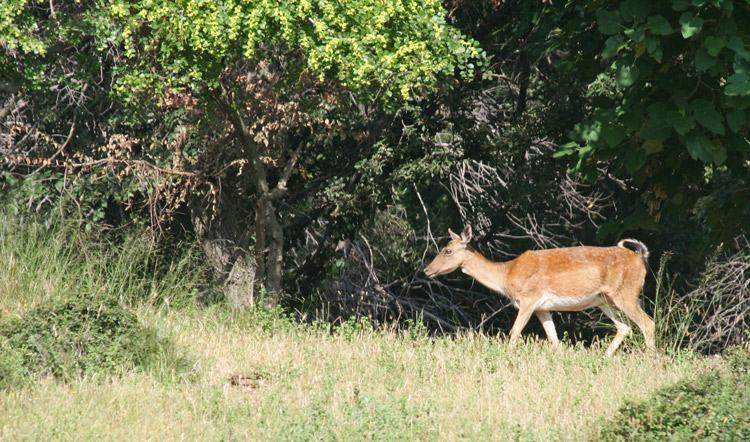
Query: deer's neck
point(490, 274)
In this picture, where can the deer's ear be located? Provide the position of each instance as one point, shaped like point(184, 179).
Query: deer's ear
point(466, 235)
point(453, 235)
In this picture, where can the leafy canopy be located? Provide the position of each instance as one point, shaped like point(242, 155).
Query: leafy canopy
point(382, 50)
point(669, 105)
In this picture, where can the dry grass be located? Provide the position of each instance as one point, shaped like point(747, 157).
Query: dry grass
point(301, 383)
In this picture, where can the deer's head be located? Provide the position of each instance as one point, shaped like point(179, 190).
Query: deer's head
point(452, 256)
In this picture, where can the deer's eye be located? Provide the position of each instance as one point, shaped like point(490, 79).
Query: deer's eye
point(448, 252)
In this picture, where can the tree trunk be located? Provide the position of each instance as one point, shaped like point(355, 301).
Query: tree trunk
point(268, 262)
point(523, 86)
point(275, 257)
point(225, 244)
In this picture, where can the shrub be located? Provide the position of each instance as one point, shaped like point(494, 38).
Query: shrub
point(713, 407)
point(80, 337)
point(723, 298)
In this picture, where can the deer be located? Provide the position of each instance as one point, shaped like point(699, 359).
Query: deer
point(562, 279)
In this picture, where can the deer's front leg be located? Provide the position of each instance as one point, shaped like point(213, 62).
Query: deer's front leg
point(524, 313)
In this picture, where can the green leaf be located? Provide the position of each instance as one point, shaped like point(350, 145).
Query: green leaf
point(590, 131)
point(613, 135)
point(609, 228)
point(652, 43)
point(714, 45)
point(653, 46)
point(652, 146)
point(738, 84)
point(612, 46)
point(634, 10)
point(736, 119)
point(626, 76)
point(680, 98)
point(637, 35)
point(705, 113)
point(657, 109)
point(659, 25)
point(691, 25)
point(566, 149)
point(608, 21)
point(699, 147)
point(735, 89)
point(704, 61)
point(681, 123)
point(632, 117)
point(737, 45)
point(680, 5)
point(719, 155)
point(741, 66)
point(656, 129)
point(635, 159)
point(656, 126)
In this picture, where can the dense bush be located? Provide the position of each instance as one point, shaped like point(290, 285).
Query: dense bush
point(715, 407)
point(80, 337)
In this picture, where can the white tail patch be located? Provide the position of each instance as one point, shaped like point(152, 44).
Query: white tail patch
point(636, 246)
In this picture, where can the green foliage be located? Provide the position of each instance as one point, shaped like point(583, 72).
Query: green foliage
point(56, 260)
point(17, 27)
point(674, 119)
point(714, 407)
point(378, 51)
point(80, 337)
point(64, 311)
point(353, 327)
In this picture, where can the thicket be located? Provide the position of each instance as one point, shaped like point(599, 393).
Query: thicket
point(80, 338)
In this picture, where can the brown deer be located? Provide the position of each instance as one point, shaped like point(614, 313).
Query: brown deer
point(566, 279)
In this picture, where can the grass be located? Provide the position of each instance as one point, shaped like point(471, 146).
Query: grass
point(260, 376)
point(306, 384)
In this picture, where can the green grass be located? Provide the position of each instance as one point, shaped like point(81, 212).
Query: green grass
point(714, 406)
point(262, 376)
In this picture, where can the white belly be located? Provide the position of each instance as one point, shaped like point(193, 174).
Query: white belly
point(552, 302)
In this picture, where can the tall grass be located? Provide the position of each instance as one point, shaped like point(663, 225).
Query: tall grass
point(57, 260)
point(673, 319)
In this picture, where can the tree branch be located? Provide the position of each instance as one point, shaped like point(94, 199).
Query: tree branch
point(223, 100)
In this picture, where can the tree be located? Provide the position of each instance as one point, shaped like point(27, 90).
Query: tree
point(669, 89)
point(257, 117)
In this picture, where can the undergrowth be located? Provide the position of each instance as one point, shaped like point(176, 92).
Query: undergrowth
point(77, 308)
point(69, 302)
point(77, 338)
point(713, 407)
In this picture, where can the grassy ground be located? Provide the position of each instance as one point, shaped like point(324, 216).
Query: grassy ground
point(303, 384)
point(255, 376)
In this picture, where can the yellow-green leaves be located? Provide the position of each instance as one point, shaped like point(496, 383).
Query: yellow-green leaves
point(380, 50)
point(18, 28)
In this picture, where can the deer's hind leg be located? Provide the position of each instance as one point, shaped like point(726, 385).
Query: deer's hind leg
point(629, 305)
point(621, 323)
point(545, 318)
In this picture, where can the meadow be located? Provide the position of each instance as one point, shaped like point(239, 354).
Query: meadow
point(211, 373)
